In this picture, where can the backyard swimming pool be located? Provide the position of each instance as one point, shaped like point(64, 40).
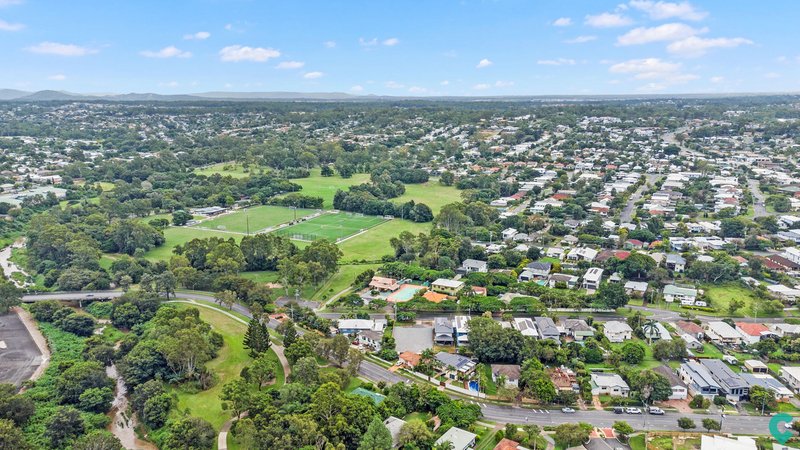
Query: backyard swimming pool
point(405, 293)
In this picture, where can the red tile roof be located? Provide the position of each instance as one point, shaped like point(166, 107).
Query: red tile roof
point(752, 329)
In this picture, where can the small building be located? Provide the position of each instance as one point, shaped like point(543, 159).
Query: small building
point(591, 279)
point(394, 425)
point(731, 384)
point(570, 281)
point(609, 384)
point(510, 372)
point(636, 288)
point(384, 284)
point(768, 382)
point(658, 331)
point(353, 326)
point(582, 254)
point(617, 331)
point(692, 343)
point(526, 326)
point(577, 329)
point(443, 331)
point(752, 332)
point(791, 375)
point(715, 442)
point(447, 286)
point(679, 389)
point(409, 359)
point(509, 233)
point(564, 379)
point(698, 379)
point(371, 339)
point(461, 439)
point(547, 328)
point(539, 269)
point(675, 262)
point(461, 328)
point(690, 328)
point(508, 444)
point(684, 295)
point(474, 265)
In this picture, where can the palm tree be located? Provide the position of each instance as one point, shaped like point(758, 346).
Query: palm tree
point(649, 328)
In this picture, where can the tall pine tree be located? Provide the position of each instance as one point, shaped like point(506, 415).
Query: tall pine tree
point(289, 334)
point(256, 339)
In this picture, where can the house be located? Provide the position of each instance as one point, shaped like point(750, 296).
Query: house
point(714, 442)
point(617, 331)
point(509, 233)
point(692, 343)
point(636, 288)
point(443, 331)
point(474, 265)
point(679, 389)
point(658, 331)
point(447, 286)
point(569, 280)
point(582, 254)
point(591, 279)
point(461, 439)
point(723, 333)
point(455, 366)
point(731, 384)
point(461, 327)
point(784, 329)
point(525, 326)
point(632, 244)
point(698, 379)
point(384, 284)
point(539, 269)
point(752, 332)
point(675, 262)
point(577, 329)
point(791, 375)
point(394, 425)
point(508, 444)
point(768, 382)
point(609, 384)
point(510, 372)
point(564, 379)
point(547, 328)
point(555, 252)
point(409, 359)
point(371, 339)
point(684, 295)
point(353, 326)
point(690, 328)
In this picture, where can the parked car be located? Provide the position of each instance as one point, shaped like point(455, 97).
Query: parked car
point(655, 410)
point(633, 411)
point(567, 410)
point(619, 410)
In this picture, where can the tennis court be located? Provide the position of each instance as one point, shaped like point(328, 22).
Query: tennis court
point(332, 226)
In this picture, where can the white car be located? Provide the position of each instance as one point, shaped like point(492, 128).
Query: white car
point(633, 411)
point(567, 410)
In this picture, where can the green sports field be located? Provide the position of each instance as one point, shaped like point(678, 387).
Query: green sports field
point(330, 227)
point(260, 217)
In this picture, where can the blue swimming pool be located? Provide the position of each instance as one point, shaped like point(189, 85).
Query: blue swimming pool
point(474, 386)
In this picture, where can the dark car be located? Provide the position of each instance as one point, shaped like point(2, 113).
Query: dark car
point(619, 410)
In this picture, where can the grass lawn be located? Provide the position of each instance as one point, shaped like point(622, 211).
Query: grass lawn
point(227, 169)
point(260, 217)
point(341, 280)
point(637, 442)
point(489, 386)
point(375, 242)
point(227, 366)
point(330, 226)
point(432, 193)
point(721, 295)
point(710, 351)
point(180, 235)
point(318, 186)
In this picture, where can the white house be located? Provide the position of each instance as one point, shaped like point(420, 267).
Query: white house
point(461, 439)
point(686, 296)
point(609, 384)
point(582, 254)
point(591, 279)
point(723, 333)
point(791, 375)
point(617, 331)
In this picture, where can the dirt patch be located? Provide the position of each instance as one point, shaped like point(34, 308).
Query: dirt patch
point(680, 405)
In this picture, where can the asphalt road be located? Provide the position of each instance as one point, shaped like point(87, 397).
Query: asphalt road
point(759, 199)
point(19, 355)
point(627, 212)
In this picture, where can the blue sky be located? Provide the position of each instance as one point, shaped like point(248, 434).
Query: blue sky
point(433, 47)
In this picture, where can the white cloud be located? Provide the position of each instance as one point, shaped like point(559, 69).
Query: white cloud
point(661, 10)
point(481, 87)
point(4, 3)
point(199, 36)
point(444, 82)
point(290, 65)
point(562, 22)
point(57, 77)
point(556, 62)
point(329, 44)
point(417, 90)
point(394, 85)
point(8, 26)
point(607, 20)
point(580, 39)
point(668, 32)
point(367, 42)
point(694, 46)
point(772, 75)
point(312, 75)
point(55, 48)
point(484, 63)
point(717, 79)
point(391, 42)
point(229, 27)
point(237, 53)
point(659, 74)
point(357, 88)
point(503, 84)
point(166, 52)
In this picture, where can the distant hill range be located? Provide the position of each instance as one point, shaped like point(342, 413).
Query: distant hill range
point(49, 95)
